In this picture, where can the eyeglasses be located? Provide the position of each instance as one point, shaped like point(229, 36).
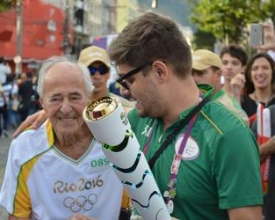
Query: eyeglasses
point(121, 79)
point(101, 69)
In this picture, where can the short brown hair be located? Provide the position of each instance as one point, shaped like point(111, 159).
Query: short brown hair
point(152, 37)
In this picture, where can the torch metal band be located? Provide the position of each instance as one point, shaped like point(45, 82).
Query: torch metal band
point(100, 108)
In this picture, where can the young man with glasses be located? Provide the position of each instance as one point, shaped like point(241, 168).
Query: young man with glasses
point(210, 169)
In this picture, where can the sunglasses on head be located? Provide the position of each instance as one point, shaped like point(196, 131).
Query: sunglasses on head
point(100, 69)
point(121, 79)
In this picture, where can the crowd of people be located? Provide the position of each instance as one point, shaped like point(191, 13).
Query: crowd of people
point(209, 168)
point(18, 99)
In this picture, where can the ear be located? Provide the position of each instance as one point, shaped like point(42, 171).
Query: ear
point(218, 74)
point(41, 102)
point(160, 70)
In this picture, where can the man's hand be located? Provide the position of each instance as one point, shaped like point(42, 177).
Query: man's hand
point(267, 148)
point(237, 84)
point(81, 217)
point(33, 121)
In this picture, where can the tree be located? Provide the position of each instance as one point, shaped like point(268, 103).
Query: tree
point(6, 4)
point(227, 20)
point(268, 10)
point(203, 40)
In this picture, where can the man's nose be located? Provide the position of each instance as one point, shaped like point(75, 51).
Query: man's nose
point(66, 107)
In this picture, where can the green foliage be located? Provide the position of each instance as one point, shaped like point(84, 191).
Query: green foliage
point(268, 9)
point(203, 40)
point(227, 20)
point(5, 5)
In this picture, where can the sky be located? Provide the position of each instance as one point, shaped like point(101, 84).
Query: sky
point(178, 10)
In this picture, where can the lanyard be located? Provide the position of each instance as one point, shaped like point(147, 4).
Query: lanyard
point(190, 119)
point(146, 146)
point(170, 193)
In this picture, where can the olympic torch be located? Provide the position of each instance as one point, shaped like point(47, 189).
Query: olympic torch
point(108, 122)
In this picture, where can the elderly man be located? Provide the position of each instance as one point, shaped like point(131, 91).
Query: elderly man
point(59, 169)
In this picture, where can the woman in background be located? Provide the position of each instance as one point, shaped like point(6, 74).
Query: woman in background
point(259, 86)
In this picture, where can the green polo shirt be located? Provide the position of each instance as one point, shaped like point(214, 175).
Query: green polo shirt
point(220, 167)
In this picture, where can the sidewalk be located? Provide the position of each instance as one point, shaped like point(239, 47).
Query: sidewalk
point(4, 148)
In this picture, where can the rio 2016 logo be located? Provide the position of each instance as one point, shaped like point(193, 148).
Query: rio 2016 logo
point(81, 185)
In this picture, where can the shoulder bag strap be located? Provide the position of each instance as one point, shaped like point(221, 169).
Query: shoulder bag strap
point(173, 134)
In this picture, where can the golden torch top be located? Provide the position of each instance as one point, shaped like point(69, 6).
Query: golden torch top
point(100, 108)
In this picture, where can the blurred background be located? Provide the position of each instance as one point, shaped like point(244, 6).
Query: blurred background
point(33, 30)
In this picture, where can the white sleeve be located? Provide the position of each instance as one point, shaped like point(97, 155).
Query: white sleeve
point(9, 185)
point(8, 69)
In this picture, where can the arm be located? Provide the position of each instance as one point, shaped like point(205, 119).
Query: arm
point(237, 85)
point(2, 93)
point(267, 148)
point(33, 121)
point(246, 213)
point(3, 96)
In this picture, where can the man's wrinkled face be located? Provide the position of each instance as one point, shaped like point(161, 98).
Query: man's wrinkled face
point(64, 97)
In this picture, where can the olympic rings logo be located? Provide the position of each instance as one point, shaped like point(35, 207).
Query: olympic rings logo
point(81, 202)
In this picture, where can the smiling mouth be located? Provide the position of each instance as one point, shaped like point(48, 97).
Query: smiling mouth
point(67, 119)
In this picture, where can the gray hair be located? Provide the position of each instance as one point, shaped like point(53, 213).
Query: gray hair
point(60, 59)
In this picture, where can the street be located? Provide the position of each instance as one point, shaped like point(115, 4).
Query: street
point(4, 147)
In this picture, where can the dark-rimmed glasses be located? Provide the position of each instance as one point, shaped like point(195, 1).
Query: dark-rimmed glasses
point(121, 79)
point(101, 69)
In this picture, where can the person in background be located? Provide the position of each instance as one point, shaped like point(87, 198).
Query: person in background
point(5, 106)
point(234, 60)
point(5, 70)
point(267, 149)
point(2, 93)
point(260, 83)
point(25, 93)
point(14, 103)
point(206, 69)
point(267, 156)
point(98, 63)
point(77, 177)
point(202, 172)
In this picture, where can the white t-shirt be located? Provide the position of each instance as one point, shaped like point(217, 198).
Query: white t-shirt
point(4, 71)
point(42, 183)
